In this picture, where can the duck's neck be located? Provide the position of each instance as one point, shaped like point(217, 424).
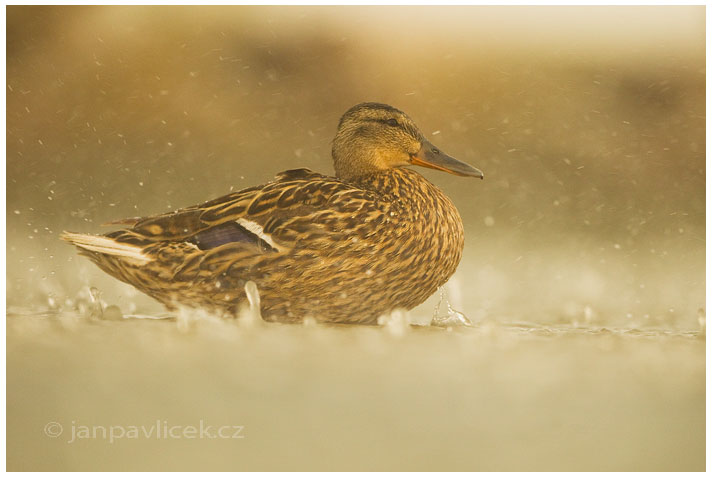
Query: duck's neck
point(404, 185)
point(350, 169)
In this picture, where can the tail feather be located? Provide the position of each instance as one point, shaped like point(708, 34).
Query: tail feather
point(106, 245)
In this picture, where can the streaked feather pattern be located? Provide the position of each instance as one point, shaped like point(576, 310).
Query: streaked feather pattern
point(349, 251)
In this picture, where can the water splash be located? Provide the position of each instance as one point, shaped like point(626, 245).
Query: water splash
point(191, 320)
point(96, 308)
point(252, 315)
point(185, 320)
point(113, 312)
point(452, 318)
point(396, 322)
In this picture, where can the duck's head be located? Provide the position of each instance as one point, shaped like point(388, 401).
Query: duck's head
point(374, 136)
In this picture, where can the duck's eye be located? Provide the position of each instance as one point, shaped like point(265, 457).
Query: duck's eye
point(392, 122)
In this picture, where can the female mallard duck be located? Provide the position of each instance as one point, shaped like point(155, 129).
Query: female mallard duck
point(344, 249)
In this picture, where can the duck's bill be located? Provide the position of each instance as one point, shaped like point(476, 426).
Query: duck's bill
point(431, 157)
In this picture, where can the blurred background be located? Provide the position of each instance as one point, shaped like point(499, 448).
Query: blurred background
point(589, 123)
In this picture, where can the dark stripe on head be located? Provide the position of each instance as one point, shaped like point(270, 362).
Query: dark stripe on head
point(369, 106)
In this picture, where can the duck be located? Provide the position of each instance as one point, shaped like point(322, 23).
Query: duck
point(374, 238)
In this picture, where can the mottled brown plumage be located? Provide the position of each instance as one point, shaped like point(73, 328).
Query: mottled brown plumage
point(341, 249)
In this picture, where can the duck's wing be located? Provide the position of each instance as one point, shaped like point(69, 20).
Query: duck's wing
point(299, 207)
